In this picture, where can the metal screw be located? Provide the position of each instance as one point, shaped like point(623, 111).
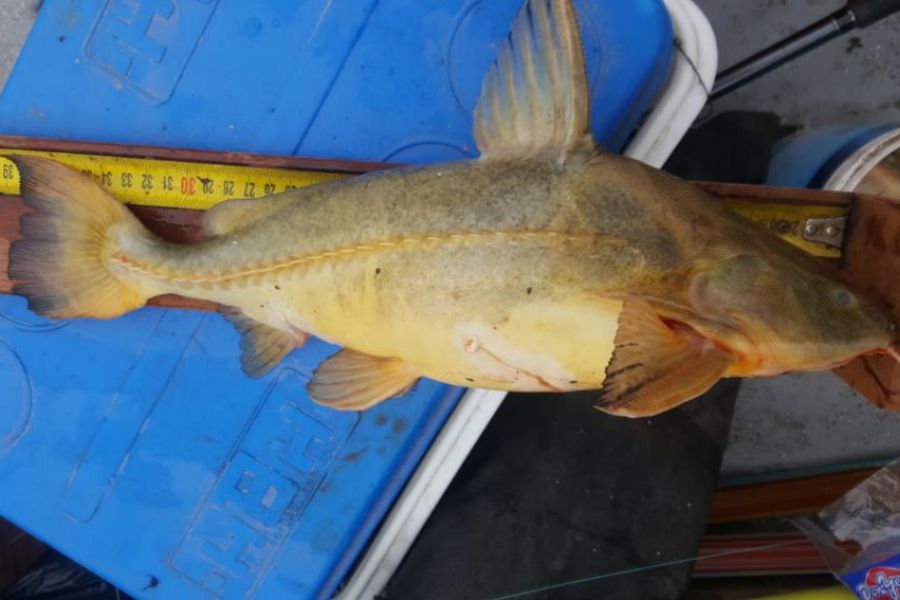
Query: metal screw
point(825, 230)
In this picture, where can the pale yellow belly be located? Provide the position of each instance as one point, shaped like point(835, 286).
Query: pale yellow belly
point(529, 346)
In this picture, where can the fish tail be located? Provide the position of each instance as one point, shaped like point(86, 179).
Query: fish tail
point(62, 262)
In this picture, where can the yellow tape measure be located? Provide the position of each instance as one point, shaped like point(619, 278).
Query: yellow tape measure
point(169, 183)
point(199, 186)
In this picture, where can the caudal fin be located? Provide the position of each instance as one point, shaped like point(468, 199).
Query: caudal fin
point(61, 263)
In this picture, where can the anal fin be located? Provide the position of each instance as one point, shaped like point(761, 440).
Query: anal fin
point(350, 380)
point(657, 365)
point(262, 346)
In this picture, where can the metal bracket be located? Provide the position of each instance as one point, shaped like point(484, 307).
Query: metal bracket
point(828, 231)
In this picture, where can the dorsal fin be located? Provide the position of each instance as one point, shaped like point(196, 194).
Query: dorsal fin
point(535, 100)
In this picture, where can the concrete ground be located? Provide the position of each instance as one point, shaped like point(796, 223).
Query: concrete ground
point(14, 26)
point(853, 78)
point(795, 422)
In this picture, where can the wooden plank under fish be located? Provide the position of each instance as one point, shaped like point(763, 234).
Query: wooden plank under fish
point(734, 555)
point(861, 231)
point(783, 498)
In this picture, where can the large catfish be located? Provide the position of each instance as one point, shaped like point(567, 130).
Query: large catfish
point(544, 265)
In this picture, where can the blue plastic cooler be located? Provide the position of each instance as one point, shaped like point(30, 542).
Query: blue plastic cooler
point(808, 159)
point(136, 446)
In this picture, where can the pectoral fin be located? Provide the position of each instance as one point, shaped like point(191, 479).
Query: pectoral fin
point(657, 365)
point(262, 346)
point(351, 380)
point(535, 98)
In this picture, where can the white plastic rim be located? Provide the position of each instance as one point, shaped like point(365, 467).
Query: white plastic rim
point(851, 172)
point(692, 75)
point(422, 493)
point(682, 99)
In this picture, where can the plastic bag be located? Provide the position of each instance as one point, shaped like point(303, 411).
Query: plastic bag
point(868, 518)
point(55, 577)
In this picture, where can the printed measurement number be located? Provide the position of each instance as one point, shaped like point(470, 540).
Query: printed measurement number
point(187, 185)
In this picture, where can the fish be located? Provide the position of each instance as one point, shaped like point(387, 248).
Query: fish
point(544, 265)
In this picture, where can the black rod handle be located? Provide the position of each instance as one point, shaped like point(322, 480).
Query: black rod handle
point(857, 13)
point(777, 54)
point(870, 11)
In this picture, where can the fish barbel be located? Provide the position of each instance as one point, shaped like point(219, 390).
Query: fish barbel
point(544, 265)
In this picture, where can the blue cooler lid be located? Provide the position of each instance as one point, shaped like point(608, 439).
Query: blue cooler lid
point(809, 158)
point(136, 446)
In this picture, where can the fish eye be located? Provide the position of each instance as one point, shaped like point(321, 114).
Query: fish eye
point(844, 298)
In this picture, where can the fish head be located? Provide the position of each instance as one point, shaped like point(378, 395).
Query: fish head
point(783, 313)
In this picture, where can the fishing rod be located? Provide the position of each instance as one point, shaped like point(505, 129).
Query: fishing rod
point(856, 14)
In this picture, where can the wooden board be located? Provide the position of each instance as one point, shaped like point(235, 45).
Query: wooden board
point(760, 555)
point(784, 498)
point(872, 264)
point(197, 156)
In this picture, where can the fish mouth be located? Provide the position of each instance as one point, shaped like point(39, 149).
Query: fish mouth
point(890, 351)
point(788, 366)
point(893, 353)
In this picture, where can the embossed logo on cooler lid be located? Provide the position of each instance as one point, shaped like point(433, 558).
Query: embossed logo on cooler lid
point(262, 491)
point(147, 44)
